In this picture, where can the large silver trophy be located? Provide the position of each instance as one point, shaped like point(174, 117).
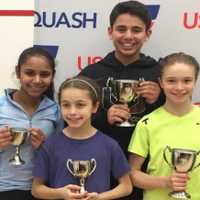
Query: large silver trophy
point(182, 160)
point(123, 91)
point(81, 169)
point(18, 137)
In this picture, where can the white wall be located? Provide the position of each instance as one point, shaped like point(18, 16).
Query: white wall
point(16, 34)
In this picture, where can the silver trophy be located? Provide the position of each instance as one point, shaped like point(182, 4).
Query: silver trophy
point(124, 92)
point(18, 137)
point(81, 169)
point(182, 160)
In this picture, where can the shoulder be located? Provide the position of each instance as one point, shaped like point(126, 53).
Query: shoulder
point(152, 117)
point(196, 111)
point(92, 67)
point(49, 105)
point(53, 139)
point(5, 98)
point(107, 140)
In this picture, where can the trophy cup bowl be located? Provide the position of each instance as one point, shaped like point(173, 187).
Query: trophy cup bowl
point(123, 91)
point(18, 137)
point(81, 169)
point(182, 160)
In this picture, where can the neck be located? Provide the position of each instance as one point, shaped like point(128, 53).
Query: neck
point(28, 103)
point(178, 109)
point(125, 60)
point(80, 133)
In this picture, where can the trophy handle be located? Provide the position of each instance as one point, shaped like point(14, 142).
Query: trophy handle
point(69, 161)
point(94, 166)
point(164, 155)
point(107, 94)
point(198, 152)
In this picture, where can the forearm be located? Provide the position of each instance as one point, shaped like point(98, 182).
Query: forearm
point(119, 191)
point(145, 181)
point(44, 192)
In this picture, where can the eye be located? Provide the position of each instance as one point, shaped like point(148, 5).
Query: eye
point(121, 29)
point(136, 30)
point(171, 80)
point(29, 73)
point(65, 105)
point(80, 105)
point(188, 80)
point(45, 74)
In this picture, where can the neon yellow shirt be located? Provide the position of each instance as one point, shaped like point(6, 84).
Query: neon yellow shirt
point(157, 130)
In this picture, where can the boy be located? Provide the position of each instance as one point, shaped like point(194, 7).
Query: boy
point(129, 29)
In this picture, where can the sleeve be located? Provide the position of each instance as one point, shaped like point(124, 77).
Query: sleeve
point(120, 165)
point(139, 143)
point(42, 163)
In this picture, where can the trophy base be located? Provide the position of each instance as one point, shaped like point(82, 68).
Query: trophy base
point(180, 195)
point(17, 161)
point(125, 124)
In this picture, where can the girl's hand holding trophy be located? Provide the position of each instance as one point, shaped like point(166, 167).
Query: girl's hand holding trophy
point(5, 137)
point(37, 137)
point(16, 136)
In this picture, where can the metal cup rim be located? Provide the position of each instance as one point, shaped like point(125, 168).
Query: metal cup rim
point(18, 129)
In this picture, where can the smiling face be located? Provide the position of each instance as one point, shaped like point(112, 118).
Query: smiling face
point(77, 107)
point(35, 76)
point(178, 81)
point(128, 34)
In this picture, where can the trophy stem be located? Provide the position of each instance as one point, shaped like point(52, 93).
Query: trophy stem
point(82, 184)
point(16, 160)
point(180, 195)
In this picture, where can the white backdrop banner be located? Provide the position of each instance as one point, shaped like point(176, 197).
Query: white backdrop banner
point(76, 31)
point(16, 19)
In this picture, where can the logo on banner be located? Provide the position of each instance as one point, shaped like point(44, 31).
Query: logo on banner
point(52, 49)
point(63, 19)
point(153, 11)
point(191, 20)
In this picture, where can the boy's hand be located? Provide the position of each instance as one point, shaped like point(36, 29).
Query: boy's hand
point(118, 113)
point(149, 90)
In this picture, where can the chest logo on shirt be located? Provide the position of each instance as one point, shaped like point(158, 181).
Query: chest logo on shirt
point(145, 121)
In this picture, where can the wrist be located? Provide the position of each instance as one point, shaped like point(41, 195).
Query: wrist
point(165, 182)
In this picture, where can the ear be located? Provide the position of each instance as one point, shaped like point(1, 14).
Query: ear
point(110, 30)
point(148, 34)
point(95, 107)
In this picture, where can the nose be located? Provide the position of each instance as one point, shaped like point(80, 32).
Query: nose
point(129, 34)
point(72, 110)
point(179, 86)
point(37, 79)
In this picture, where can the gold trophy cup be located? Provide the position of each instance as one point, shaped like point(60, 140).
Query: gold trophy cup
point(182, 160)
point(81, 169)
point(19, 135)
point(122, 91)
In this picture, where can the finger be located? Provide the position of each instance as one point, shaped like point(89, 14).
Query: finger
point(73, 187)
point(120, 107)
point(144, 83)
point(38, 135)
point(5, 135)
point(124, 115)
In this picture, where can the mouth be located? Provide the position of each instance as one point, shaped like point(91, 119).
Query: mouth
point(73, 119)
point(179, 95)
